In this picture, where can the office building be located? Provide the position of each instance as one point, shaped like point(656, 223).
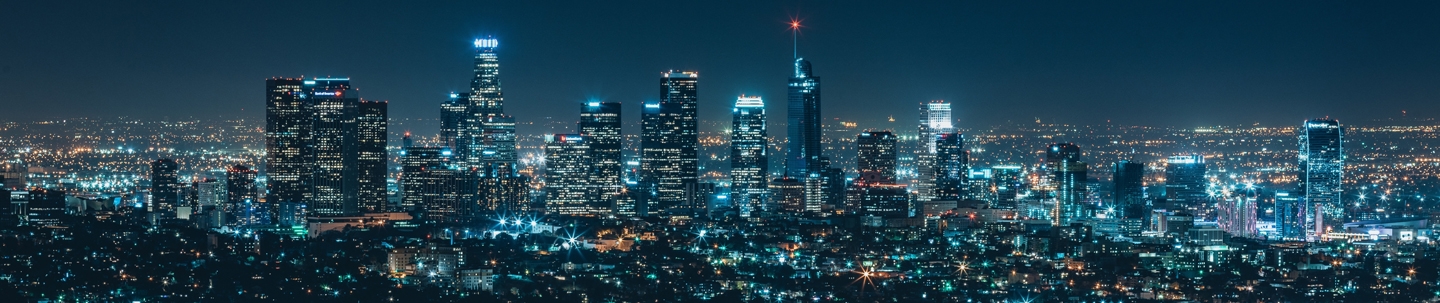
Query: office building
point(1185, 185)
point(935, 120)
point(1009, 182)
point(414, 161)
point(1129, 190)
point(567, 177)
point(876, 156)
point(336, 182)
point(289, 121)
point(1322, 171)
point(951, 167)
point(164, 188)
point(1069, 176)
point(803, 121)
point(372, 161)
point(669, 144)
point(600, 123)
point(749, 163)
point(453, 118)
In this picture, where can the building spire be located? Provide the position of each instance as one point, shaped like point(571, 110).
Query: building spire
point(795, 38)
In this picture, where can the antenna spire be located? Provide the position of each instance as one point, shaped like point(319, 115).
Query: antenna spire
point(795, 37)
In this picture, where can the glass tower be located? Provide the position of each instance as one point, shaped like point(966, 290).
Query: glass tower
point(951, 167)
point(289, 120)
point(567, 177)
point(371, 137)
point(1185, 185)
point(335, 179)
point(669, 143)
point(600, 124)
point(935, 120)
point(803, 122)
point(876, 156)
point(164, 188)
point(749, 163)
point(1322, 169)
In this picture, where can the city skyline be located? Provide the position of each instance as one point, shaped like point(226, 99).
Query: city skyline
point(1220, 79)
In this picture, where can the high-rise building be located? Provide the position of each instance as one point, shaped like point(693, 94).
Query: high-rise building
point(414, 161)
point(1236, 216)
point(336, 186)
point(242, 207)
point(1129, 190)
point(164, 188)
point(803, 121)
point(1070, 176)
point(486, 136)
point(876, 156)
point(1290, 213)
point(1185, 185)
point(600, 123)
point(1008, 181)
point(749, 163)
point(567, 177)
point(453, 115)
point(669, 143)
point(789, 195)
point(879, 199)
point(935, 120)
point(951, 167)
point(372, 161)
point(289, 121)
point(446, 195)
point(1322, 170)
point(497, 147)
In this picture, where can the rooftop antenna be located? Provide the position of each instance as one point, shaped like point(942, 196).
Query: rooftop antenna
point(795, 37)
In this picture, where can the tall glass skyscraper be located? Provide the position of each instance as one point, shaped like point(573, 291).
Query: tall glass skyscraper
point(1322, 170)
point(1129, 190)
point(486, 137)
point(372, 161)
point(453, 114)
point(935, 120)
point(1185, 185)
point(1008, 182)
point(1070, 176)
point(951, 167)
point(289, 121)
point(749, 163)
point(803, 122)
point(600, 124)
point(335, 179)
point(164, 188)
point(670, 141)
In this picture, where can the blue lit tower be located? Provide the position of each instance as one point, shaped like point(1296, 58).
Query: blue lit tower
point(1322, 168)
point(1185, 185)
point(1129, 195)
point(289, 121)
point(951, 167)
point(487, 136)
point(453, 115)
point(803, 122)
point(335, 176)
point(567, 177)
point(1069, 175)
point(749, 163)
point(600, 123)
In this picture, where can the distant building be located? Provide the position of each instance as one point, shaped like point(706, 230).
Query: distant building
point(1129, 194)
point(1008, 182)
point(567, 177)
point(1185, 185)
point(1070, 176)
point(803, 122)
point(951, 167)
point(335, 170)
point(1290, 213)
point(877, 157)
point(935, 121)
point(600, 123)
point(372, 160)
point(289, 153)
point(788, 194)
point(164, 188)
point(1322, 172)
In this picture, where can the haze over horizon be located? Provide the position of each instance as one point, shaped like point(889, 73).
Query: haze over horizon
point(1137, 63)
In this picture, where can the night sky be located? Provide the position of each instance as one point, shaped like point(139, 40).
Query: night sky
point(1177, 63)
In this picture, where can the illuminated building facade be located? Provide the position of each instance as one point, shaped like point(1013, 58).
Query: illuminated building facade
point(935, 120)
point(164, 188)
point(1185, 184)
point(336, 182)
point(951, 167)
point(669, 143)
point(803, 121)
point(567, 177)
point(289, 121)
point(749, 161)
point(372, 161)
point(600, 123)
point(1322, 171)
point(876, 156)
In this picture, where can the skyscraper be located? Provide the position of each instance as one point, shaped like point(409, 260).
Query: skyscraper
point(1070, 176)
point(876, 156)
point(803, 121)
point(453, 114)
point(567, 177)
point(1290, 213)
point(486, 137)
point(164, 188)
point(1236, 216)
point(1185, 185)
point(241, 206)
point(951, 167)
point(1322, 170)
point(336, 150)
point(1008, 180)
point(670, 141)
point(935, 120)
point(414, 161)
point(1129, 191)
point(371, 136)
point(289, 121)
point(749, 163)
point(600, 124)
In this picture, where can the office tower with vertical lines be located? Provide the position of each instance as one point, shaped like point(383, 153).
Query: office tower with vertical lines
point(803, 122)
point(749, 161)
point(372, 161)
point(289, 120)
point(600, 124)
